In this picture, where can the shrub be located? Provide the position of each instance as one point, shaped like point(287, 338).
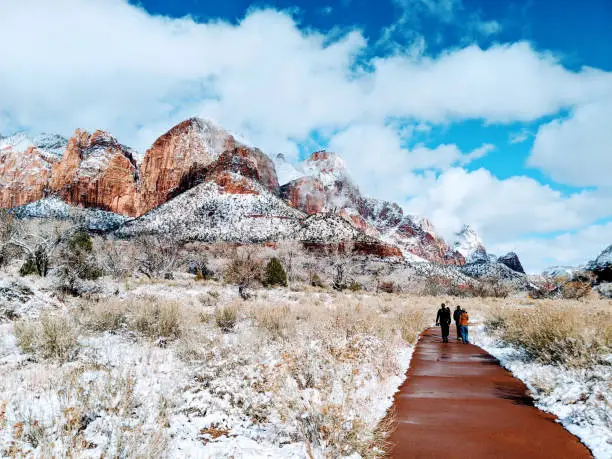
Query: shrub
point(226, 317)
point(354, 286)
point(53, 337)
point(273, 320)
point(386, 286)
point(575, 290)
point(411, 324)
point(554, 335)
point(28, 267)
point(316, 281)
point(274, 274)
point(156, 318)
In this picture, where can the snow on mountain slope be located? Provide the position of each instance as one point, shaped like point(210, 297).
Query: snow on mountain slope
point(285, 171)
point(326, 166)
point(208, 213)
point(469, 244)
point(54, 207)
point(51, 146)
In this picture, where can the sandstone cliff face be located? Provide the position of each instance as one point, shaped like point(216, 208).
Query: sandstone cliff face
point(327, 188)
point(26, 167)
point(180, 159)
point(97, 171)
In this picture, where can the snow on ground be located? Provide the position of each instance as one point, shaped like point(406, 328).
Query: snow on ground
point(247, 394)
point(580, 398)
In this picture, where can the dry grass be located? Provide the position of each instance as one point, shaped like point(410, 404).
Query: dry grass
point(51, 337)
point(150, 316)
point(556, 333)
point(226, 317)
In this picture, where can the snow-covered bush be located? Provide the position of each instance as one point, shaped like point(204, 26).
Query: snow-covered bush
point(51, 337)
point(226, 317)
point(568, 335)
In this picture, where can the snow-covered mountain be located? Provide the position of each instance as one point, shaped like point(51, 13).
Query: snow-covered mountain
point(198, 181)
point(602, 265)
point(469, 244)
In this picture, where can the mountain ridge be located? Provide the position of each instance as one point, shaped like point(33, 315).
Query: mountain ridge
point(96, 171)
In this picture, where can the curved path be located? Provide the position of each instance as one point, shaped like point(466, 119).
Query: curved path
point(457, 401)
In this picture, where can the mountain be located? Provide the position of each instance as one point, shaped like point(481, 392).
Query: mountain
point(327, 187)
point(469, 244)
point(511, 260)
point(602, 265)
point(197, 181)
point(95, 170)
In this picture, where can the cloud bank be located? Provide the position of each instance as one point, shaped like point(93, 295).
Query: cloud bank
point(110, 65)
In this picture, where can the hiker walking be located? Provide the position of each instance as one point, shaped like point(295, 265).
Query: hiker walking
point(464, 322)
point(443, 319)
point(456, 316)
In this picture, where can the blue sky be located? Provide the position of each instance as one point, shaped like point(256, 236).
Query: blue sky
point(493, 113)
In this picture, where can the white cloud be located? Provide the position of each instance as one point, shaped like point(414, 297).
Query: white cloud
point(385, 169)
point(107, 64)
point(488, 28)
point(505, 209)
point(577, 150)
point(567, 249)
point(519, 137)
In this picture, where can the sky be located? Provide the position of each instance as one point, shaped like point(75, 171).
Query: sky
point(495, 114)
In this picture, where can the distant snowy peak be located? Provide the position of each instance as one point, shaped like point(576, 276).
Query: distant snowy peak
point(285, 171)
point(602, 265)
point(51, 146)
point(561, 271)
point(326, 166)
point(469, 244)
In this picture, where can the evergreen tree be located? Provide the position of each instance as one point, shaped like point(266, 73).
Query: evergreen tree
point(275, 274)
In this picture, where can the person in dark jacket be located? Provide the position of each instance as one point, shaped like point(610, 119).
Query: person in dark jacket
point(443, 319)
point(456, 316)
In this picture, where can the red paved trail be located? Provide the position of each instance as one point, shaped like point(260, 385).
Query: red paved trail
point(458, 402)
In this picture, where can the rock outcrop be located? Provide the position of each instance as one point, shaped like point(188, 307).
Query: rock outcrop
point(469, 244)
point(602, 266)
point(97, 171)
point(26, 167)
point(511, 260)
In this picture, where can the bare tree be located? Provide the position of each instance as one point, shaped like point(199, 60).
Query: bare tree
point(340, 254)
point(38, 241)
point(243, 270)
point(156, 255)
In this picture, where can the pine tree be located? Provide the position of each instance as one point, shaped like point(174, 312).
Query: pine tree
point(275, 274)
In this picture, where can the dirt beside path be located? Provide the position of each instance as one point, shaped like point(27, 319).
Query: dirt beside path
point(457, 401)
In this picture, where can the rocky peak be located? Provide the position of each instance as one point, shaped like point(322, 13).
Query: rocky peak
point(469, 244)
point(326, 166)
point(511, 260)
point(285, 171)
point(602, 265)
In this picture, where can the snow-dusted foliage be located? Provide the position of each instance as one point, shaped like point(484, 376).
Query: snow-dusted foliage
point(207, 213)
point(301, 375)
point(56, 208)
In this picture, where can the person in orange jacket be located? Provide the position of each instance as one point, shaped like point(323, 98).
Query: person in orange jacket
point(464, 322)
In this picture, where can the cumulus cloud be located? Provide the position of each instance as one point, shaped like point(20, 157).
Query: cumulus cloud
point(577, 150)
point(505, 209)
point(108, 64)
point(567, 249)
